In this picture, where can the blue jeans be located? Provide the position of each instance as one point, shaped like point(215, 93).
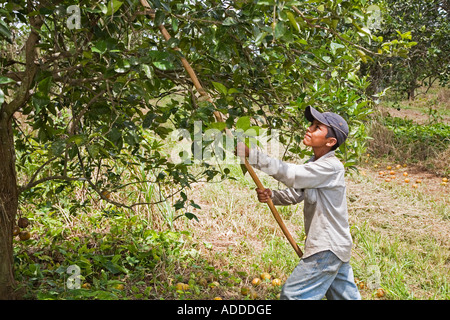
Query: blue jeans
point(321, 275)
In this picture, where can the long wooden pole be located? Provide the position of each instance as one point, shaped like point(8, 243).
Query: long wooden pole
point(219, 118)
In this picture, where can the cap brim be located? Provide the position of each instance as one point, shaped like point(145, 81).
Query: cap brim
point(312, 114)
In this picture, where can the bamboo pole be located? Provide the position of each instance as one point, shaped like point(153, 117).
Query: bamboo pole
point(219, 118)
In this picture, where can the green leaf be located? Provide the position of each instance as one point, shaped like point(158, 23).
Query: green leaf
point(122, 66)
point(159, 18)
point(2, 97)
point(279, 30)
point(253, 131)
point(260, 37)
point(5, 33)
point(93, 150)
point(44, 85)
point(163, 65)
point(335, 46)
point(244, 169)
point(113, 6)
point(292, 20)
point(78, 139)
point(147, 70)
point(5, 80)
point(58, 147)
point(228, 22)
point(191, 216)
point(352, 76)
point(174, 24)
point(217, 125)
point(220, 87)
point(40, 101)
point(243, 123)
point(100, 47)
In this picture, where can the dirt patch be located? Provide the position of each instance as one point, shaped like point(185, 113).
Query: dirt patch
point(418, 179)
point(416, 115)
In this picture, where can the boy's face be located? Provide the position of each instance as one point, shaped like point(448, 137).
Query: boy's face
point(315, 136)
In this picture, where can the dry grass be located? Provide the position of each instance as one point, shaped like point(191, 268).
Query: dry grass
point(404, 232)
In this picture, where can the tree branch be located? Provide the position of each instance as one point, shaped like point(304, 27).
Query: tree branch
point(32, 184)
point(23, 93)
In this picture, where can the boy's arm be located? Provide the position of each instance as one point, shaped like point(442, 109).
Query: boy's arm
point(312, 175)
point(287, 196)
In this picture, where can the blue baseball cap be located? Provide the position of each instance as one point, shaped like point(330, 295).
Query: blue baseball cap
point(330, 119)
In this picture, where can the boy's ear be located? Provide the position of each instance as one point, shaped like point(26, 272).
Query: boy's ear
point(331, 142)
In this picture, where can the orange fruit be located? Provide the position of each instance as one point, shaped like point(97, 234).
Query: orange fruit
point(387, 179)
point(405, 174)
point(265, 276)
point(106, 194)
point(182, 286)
point(414, 185)
point(398, 166)
point(23, 222)
point(392, 173)
point(406, 180)
point(276, 282)
point(86, 285)
point(444, 180)
point(381, 173)
point(380, 293)
point(389, 167)
point(253, 294)
point(16, 231)
point(418, 181)
point(119, 286)
point(256, 281)
point(24, 235)
point(245, 291)
point(203, 282)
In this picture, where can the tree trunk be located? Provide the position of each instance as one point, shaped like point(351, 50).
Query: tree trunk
point(412, 93)
point(8, 179)
point(8, 206)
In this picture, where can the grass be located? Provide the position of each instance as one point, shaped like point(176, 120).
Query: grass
point(398, 234)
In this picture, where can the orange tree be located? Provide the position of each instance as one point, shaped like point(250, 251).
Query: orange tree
point(81, 81)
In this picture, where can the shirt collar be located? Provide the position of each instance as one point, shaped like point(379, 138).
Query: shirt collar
point(327, 155)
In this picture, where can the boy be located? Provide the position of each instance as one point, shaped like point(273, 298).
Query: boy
point(324, 269)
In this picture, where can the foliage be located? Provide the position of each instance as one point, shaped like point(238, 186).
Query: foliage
point(435, 134)
point(129, 251)
point(425, 26)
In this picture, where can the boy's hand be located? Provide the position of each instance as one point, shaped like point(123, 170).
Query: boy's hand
point(264, 195)
point(242, 150)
